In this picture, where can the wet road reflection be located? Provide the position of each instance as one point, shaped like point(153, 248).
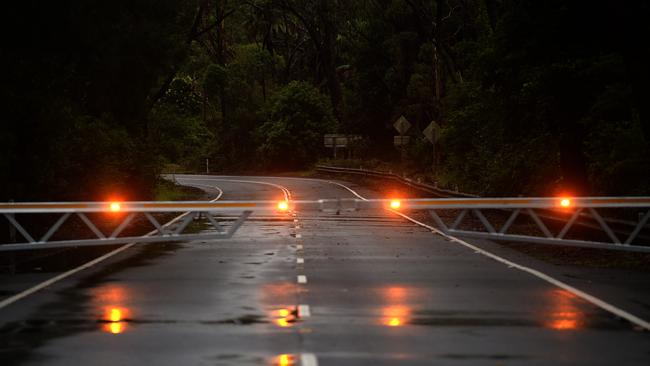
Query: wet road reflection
point(565, 314)
point(114, 327)
point(397, 311)
point(111, 300)
point(115, 320)
point(395, 316)
point(285, 317)
point(276, 296)
point(284, 360)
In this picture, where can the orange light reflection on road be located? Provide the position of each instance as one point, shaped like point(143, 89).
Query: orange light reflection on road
point(396, 313)
point(114, 320)
point(395, 322)
point(395, 316)
point(284, 360)
point(284, 317)
point(565, 315)
point(115, 315)
point(564, 324)
point(111, 303)
point(395, 293)
point(115, 328)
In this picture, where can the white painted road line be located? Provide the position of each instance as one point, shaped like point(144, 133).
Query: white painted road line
point(303, 311)
point(579, 293)
point(10, 300)
point(285, 191)
point(299, 247)
point(300, 260)
point(298, 236)
point(308, 359)
point(302, 279)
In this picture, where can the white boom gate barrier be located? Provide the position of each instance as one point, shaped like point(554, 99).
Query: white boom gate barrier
point(497, 219)
point(122, 215)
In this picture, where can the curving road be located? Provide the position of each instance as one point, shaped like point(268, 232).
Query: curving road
point(311, 289)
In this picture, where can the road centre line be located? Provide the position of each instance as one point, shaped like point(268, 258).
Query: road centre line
point(10, 300)
point(308, 359)
point(300, 260)
point(302, 279)
point(579, 293)
point(304, 311)
point(285, 191)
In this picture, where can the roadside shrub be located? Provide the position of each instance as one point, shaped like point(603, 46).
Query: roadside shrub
point(297, 117)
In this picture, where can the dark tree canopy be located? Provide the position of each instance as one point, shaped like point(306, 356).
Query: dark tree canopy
point(533, 97)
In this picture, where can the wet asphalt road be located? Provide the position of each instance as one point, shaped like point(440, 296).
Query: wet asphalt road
point(366, 288)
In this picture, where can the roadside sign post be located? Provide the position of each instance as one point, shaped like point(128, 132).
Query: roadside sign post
point(335, 140)
point(432, 133)
point(402, 125)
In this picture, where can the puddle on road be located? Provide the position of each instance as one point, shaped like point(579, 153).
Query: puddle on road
point(285, 317)
point(242, 320)
point(395, 316)
point(284, 360)
point(115, 320)
point(562, 311)
point(397, 311)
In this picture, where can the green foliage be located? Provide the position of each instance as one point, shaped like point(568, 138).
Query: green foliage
point(180, 139)
point(533, 96)
point(541, 108)
point(297, 116)
point(237, 92)
point(619, 157)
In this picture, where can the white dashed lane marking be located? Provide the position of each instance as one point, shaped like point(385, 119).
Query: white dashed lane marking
point(302, 279)
point(308, 359)
point(303, 311)
point(300, 260)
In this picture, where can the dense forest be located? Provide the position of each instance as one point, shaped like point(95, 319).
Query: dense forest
point(532, 96)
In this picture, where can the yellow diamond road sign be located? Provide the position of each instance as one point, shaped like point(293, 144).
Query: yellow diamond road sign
point(402, 125)
point(432, 132)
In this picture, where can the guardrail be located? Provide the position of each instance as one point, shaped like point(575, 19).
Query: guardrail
point(404, 180)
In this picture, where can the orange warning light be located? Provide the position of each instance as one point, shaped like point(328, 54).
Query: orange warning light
point(283, 206)
point(395, 204)
point(115, 206)
point(565, 202)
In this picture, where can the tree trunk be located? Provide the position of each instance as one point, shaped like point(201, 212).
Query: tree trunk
point(328, 58)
